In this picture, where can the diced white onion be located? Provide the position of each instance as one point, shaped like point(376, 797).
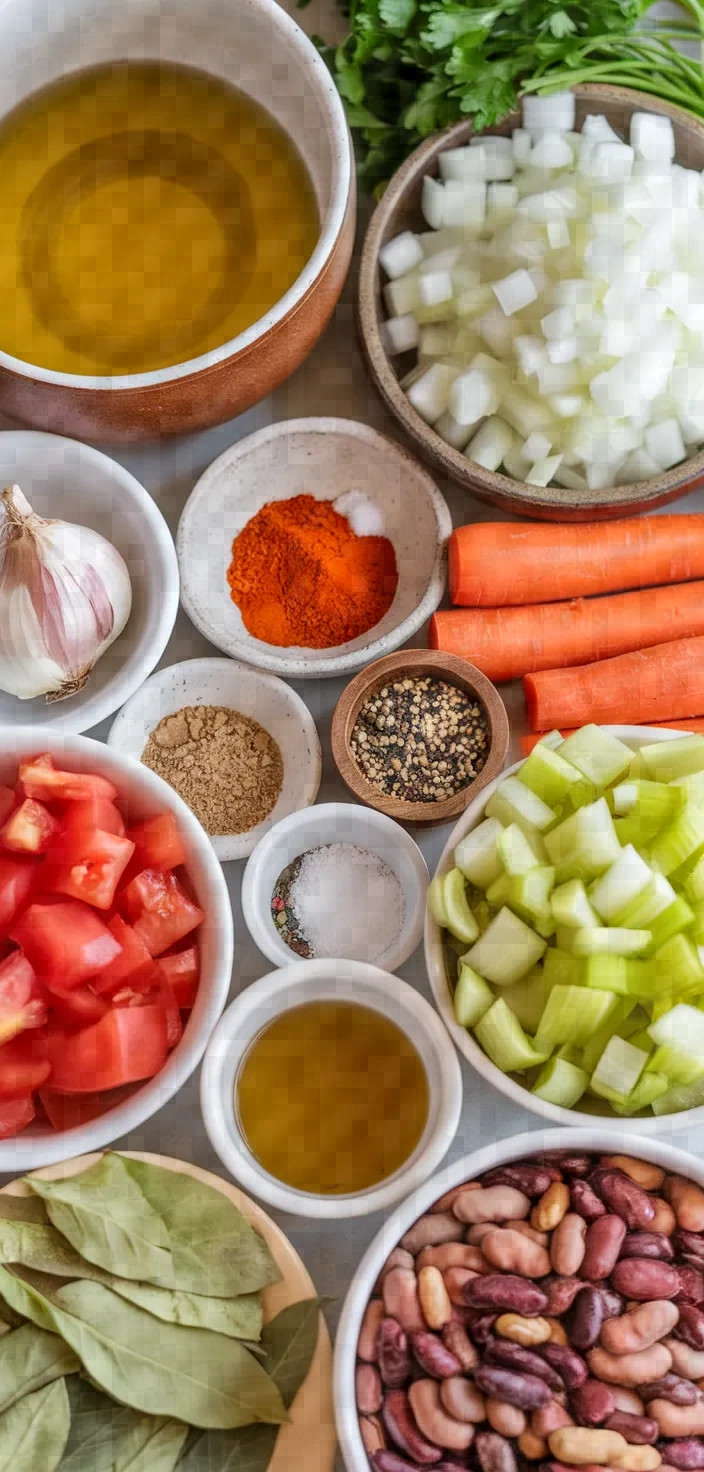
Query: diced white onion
point(430, 394)
point(401, 334)
point(551, 151)
point(515, 292)
point(462, 163)
point(543, 471)
point(402, 254)
point(490, 443)
point(541, 114)
point(652, 137)
point(664, 442)
point(536, 447)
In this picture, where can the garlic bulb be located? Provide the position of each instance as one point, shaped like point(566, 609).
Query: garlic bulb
point(65, 594)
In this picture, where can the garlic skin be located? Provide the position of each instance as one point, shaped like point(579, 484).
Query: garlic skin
point(65, 595)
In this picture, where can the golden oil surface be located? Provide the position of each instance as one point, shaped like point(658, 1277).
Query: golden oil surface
point(332, 1098)
point(150, 213)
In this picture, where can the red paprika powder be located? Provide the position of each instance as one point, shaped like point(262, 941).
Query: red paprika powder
point(300, 575)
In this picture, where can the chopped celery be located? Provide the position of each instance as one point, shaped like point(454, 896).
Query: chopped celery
point(501, 1036)
point(482, 914)
point(436, 902)
point(658, 896)
point(551, 778)
point(515, 851)
point(585, 844)
point(618, 1070)
point(622, 883)
point(610, 940)
point(528, 997)
point(477, 854)
point(562, 969)
point(678, 916)
point(570, 906)
point(560, 1082)
point(682, 1096)
point(460, 920)
point(642, 1039)
point(498, 892)
point(564, 939)
point(529, 894)
point(617, 1021)
point(677, 1065)
point(572, 1014)
point(553, 739)
point(472, 997)
point(598, 755)
point(653, 802)
point(570, 1054)
point(682, 1026)
point(650, 1087)
point(680, 843)
point(697, 930)
point(507, 950)
point(609, 973)
point(694, 883)
point(513, 802)
point(665, 761)
point(676, 967)
point(636, 830)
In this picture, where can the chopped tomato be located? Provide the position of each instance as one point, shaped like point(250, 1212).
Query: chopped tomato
point(160, 910)
point(182, 970)
point(89, 866)
point(15, 1115)
point(91, 813)
point(22, 1000)
point(7, 802)
point(134, 967)
point(78, 1008)
point(160, 995)
point(65, 941)
point(23, 1067)
point(127, 1045)
point(50, 784)
point(17, 877)
point(30, 829)
point(159, 843)
point(67, 1111)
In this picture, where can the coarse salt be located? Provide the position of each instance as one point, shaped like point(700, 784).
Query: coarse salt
point(364, 515)
point(348, 902)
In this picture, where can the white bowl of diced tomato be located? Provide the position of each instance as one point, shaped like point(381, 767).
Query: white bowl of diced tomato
point(115, 945)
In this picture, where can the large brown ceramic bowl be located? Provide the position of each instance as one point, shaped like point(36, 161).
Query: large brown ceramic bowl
point(400, 210)
point(257, 47)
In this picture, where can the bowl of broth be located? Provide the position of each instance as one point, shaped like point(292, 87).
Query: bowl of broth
point(330, 1089)
point(178, 212)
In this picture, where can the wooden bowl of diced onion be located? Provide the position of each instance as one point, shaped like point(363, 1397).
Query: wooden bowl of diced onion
point(648, 480)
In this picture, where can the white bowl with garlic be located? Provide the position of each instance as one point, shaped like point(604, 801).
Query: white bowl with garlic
point(89, 583)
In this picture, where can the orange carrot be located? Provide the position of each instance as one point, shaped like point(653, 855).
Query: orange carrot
point(687, 724)
point(494, 563)
point(507, 643)
point(632, 688)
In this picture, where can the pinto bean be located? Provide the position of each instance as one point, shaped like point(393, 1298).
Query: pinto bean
point(401, 1299)
point(645, 1280)
point(527, 1230)
point(456, 1280)
point(399, 1258)
point(585, 1201)
point(368, 1342)
point(400, 1425)
point(582, 1445)
point(561, 1293)
point(640, 1328)
point(514, 1253)
point(533, 1447)
point(567, 1363)
point(691, 1325)
point(493, 1204)
point(506, 1291)
point(550, 1418)
point(638, 1430)
point(456, 1339)
point(527, 1332)
point(678, 1420)
point(691, 1284)
point(687, 1202)
point(626, 1198)
point(447, 1201)
point(685, 1454)
point(670, 1387)
point(394, 1354)
point(368, 1389)
point(462, 1400)
point(630, 1369)
point(587, 1317)
point(476, 1234)
point(568, 1245)
point(515, 1357)
point(372, 1434)
point(431, 1231)
point(433, 1420)
point(638, 1459)
point(602, 1246)
point(648, 1244)
point(664, 1219)
point(434, 1300)
point(453, 1255)
point(532, 1180)
point(557, 1333)
point(525, 1391)
point(550, 1209)
point(628, 1401)
point(686, 1361)
point(593, 1403)
point(650, 1177)
point(507, 1420)
point(494, 1452)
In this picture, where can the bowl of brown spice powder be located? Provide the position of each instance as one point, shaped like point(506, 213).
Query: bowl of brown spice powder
point(239, 746)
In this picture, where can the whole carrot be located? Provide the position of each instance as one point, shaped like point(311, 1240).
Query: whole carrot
point(631, 689)
point(495, 563)
point(686, 724)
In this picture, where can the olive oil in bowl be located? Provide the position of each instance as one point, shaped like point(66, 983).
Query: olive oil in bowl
point(151, 213)
point(332, 1098)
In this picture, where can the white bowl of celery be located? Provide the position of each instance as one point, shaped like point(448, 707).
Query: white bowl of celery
point(564, 937)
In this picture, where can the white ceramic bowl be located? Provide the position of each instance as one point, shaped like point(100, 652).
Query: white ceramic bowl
point(270, 701)
point(334, 822)
point(340, 981)
point(142, 795)
point(72, 482)
point(321, 458)
point(516, 1147)
point(598, 1110)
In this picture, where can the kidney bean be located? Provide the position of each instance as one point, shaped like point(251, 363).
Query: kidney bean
point(627, 1199)
point(686, 1454)
point(670, 1387)
point(447, 1201)
point(514, 1253)
point(550, 1209)
point(456, 1339)
point(586, 1318)
point(400, 1425)
point(434, 1300)
point(678, 1420)
point(481, 1326)
point(401, 1299)
point(687, 1202)
point(526, 1332)
point(514, 1357)
point(456, 1280)
point(462, 1400)
point(613, 1302)
point(505, 1419)
point(581, 1445)
point(525, 1391)
point(372, 1434)
point(533, 1180)
point(602, 1246)
point(569, 1163)
point(640, 1328)
point(561, 1293)
point(686, 1361)
point(664, 1219)
point(568, 1245)
point(527, 1230)
point(648, 1244)
point(593, 1402)
point(630, 1369)
point(639, 1459)
point(585, 1201)
point(368, 1389)
point(388, 1461)
point(431, 1231)
point(399, 1258)
point(691, 1284)
point(691, 1325)
point(550, 1418)
point(644, 1280)
point(433, 1421)
point(368, 1343)
point(493, 1204)
point(394, 1354)
point(494, 1452)
point(650, 1177)
point(433, 1357)
point(638, 1430)
point(689, 1243)
point(506, 1291)
point(531, 1446)
point(628, 1401)
point(569, 1365)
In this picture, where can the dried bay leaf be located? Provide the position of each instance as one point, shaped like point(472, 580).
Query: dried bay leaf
point(105, 1437)
point(29, 1359)
point(107, 1219)
point(41, 1247)
point(23, 1209)
point(33, 1433)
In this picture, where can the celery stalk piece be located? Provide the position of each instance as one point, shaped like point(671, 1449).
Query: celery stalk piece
point(627, 878)
point(694, 883)
point(697, 930)
point(572, 1014)
point(570, 1054)
point(501, 1036)
point(649, 1088)
point(553, 739)
point(562, 968)
point(665, 761)
point(610, 941)
point(682, 1026)
point(529, 894)
point(598, 755)
point(498, 892)
point(436, 902)
point(515, 852)
point(527, 998)
point(690, 787)
point(472, 997)
point(482, 914)
point(618, 1070)
point(560, 1082)
point(680, 843)
point(608, 973)
point(653, 802)
point(570, 906)
point(477, 854)
point(513, 802)
point(551, 778)
point(677, 1065)
point(616, 1022)
point(641, 1039)
point(678, 916)
point(564, 939)
point(460, 920)
point(682, 1096)
point(585, 844)
point(676, 967)
point(641, 912)
point(636, 830)
point(507, 950)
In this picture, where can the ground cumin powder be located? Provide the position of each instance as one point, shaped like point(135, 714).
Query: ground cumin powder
point(223, 764)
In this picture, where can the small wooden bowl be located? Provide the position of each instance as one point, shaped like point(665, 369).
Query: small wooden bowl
point(400, 210)
point(416, 663)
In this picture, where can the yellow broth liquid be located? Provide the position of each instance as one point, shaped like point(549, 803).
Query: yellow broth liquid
point(332, 1098)
point(150, 212)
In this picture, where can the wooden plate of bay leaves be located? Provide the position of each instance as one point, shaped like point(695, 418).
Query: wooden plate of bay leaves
point(141, 1309)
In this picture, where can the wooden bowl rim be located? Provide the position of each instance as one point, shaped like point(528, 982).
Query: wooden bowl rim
point(416, 662)
point(488, 485)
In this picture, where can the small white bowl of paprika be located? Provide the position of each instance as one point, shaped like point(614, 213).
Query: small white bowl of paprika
point(306, 579)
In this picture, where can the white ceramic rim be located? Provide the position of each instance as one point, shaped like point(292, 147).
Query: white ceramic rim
point(331, 225)
point(27, 1152)
point(255, 902)
point(165, 582)
point(514, 1147)
point(229, 846)
point(365, 985)
point(310, 666)
point(661, 1124)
